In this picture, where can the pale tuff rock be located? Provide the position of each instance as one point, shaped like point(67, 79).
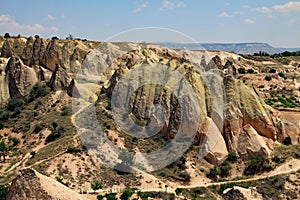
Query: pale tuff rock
point(4, 90)
point(239, 193)
point(213, 145)
point(245, 107)
point(52, 55)
point(31, 185)
point(249, 142)
point(72, 89)
point(59, 79)
point(21, 78)
point(38, 51)
point(6, 50)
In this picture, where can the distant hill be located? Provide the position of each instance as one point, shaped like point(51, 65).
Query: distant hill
point(240, 48)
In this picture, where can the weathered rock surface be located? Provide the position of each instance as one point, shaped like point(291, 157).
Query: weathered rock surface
point(244, 109)
point(6, 50)
point(72, 89)
point(249, 142)
point(239, 193)
point(21, 78)
point(59, 79)
point(32, 185)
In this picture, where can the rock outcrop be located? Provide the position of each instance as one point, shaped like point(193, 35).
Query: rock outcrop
point(244, 109)
point(52, 56)
point(246, 120)
point(21, 78)
point(239, 193)
point(72, 89)
point(6, 50)
point(59, 79)
point(31, 185)
point(249, 142)
point(4, 91)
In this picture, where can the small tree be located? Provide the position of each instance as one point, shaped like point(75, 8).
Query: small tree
point(287, 141)
point(1, 125)
point(127, 193)
point(96, 185)
point(4, 148)
point(6, 35)
point(268, 78)
point(213, 173)
point(232, 157)
point(242, 70)
point(225, 169)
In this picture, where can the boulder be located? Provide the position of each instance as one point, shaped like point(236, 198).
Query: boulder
point(249, 143)
point(212, 142)
point(31, 185)
point(239, 193)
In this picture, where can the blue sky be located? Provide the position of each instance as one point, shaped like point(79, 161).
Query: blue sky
point(276, 22)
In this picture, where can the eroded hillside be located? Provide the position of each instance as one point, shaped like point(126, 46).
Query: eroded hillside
point(82, 112)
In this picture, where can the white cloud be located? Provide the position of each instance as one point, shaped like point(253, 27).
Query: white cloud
point(141, 7)
point(249, 21)
point(263, 10)
point(169, 5)
point(224, 14)
point(8, 24)
point(51, 17)
point(287, 7)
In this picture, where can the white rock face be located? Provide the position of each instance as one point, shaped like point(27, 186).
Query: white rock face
point(239, 193)
point(251, 143)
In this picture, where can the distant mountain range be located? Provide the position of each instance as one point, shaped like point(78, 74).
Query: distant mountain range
point(240, 48)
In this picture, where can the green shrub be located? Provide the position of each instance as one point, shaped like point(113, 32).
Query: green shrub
point(242, 70)
point(273, 71)
point(257, 164)
point(250, 71)
point(111, 196)
point(268, 78)
point(4, 115)
point(65, 111)
point(1, 125)
point(232, 157)
point(14, 103)
point(281, 74)
point(143, 195)
point(96, 185)
point(14, 140)
point(37, 91)
point(225, 169)
point(277, 159)
point(213, 173)
point(54, 125)
point(126, 194)
point(55, 134)
point(3, 191)
point(287, 141)
point(178, 191)
point(37, 128)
